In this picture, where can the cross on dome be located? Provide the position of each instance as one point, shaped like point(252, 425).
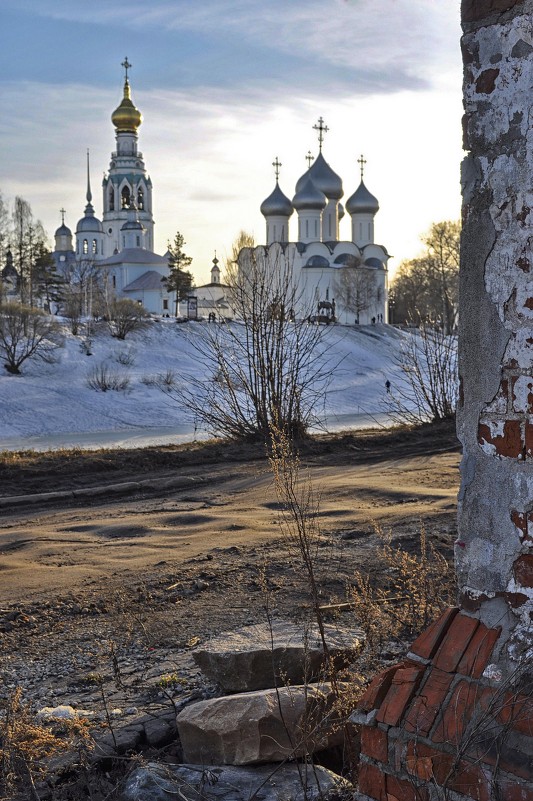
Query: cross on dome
point(62, 212)
point(127, 66)
point(322, 129)
point(309, 158)
point(361, 161)
point(276, 164)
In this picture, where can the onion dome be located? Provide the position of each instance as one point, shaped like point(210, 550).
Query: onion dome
point(309, 197)
point(277, 204)
point(89, 222)
point(324, 179)
point(362, 201)
point(126, 118)
point(63, 230)
point(341, 211)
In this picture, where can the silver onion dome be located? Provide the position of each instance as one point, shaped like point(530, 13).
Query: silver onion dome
point(63, 230)
point(324, 178)
point(277, 204)
point(341, 211)
point(362, 201)
point(89, 223)
point(309, 197)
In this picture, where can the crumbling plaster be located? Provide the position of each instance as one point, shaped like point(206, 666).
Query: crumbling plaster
point(495, 421)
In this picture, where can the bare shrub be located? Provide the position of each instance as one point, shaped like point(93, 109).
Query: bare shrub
point(427, 388)
point(125, 357)
point(126, 316)
point(27, 744)
point(165, 381)
point(268, 370)
point(27, 333)
point(102, 378)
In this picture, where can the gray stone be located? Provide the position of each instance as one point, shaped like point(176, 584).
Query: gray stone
point(262, 656)
point(155, 782)
point(261, 726)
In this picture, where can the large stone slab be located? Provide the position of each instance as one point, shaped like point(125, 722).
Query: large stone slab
point(262, 656)
point(156, 782)
point(261, 726)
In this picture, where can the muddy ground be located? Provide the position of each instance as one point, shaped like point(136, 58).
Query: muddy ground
point(113, 591)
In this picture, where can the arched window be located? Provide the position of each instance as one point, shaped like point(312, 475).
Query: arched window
point(85, 247)
point(316, 228)
point(111, 199)
point(123, 241)
point(138, 240)
point(274, 234)
point(114, 282)
point(126, 197)
point(95, 246)
point(307, 229)
point(360, 230)
point(329, 224)
point(140, 198)
point(369, 232)
point(327, 293)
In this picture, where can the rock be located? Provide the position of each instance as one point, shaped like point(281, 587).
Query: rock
point(158, 732)
point(261, 726)
point(156, 782)
point(260, 656)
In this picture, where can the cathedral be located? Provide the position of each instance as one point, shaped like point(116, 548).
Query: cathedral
point(334, 280)
point(120, 245)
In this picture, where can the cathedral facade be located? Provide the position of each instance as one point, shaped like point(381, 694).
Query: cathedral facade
point(119, 247)
point(333, 280)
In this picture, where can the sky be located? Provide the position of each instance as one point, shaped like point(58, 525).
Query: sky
point(225, 87)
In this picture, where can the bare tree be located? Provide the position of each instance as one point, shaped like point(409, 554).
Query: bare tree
point(267, 372)
point(26, 333)
point(427, 288)
point(355, 289)
point(231, 267)
point(427, 388)
point(126, 316)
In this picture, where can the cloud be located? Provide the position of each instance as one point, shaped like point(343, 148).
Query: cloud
point(377, 45)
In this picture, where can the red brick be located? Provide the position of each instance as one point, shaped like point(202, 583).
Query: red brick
point(474, 781)
point(477, 655)
point(523, 570)
point(511, 791)
point(402, 689)
point(427, 643)
point(428, 763)
point(520, 521)
point(477, 10)
point(516, 712)
point(428, 702)
point(455, 643)
point(457, 713)
point(528, 440)
point(404, 790)
point(372, 782)
point(509, 444)
point(374, 743)
point(377, 690)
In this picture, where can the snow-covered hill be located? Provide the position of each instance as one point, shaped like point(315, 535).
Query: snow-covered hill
point(52, 404)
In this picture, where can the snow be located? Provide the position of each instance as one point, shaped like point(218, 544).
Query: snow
point(51, 405)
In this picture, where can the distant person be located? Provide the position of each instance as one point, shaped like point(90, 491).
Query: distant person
point(373, 320)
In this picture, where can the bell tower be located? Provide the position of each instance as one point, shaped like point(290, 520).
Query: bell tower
point(127, 184)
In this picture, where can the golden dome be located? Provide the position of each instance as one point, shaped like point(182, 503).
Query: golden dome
point(126, 117)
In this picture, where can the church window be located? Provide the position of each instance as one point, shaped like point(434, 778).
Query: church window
point(307, 229)
point(95, 246)
point(283, 233)
point(316, 229)
point(85, 247)
point(111, 199)
point(126, 197)
point(165, 304)
point(114, 282)
point(123, 241)
point(329, 225)
point(379, 294)
point(138, 240)
point(360, 230)
point(369, 232)
point(274, 234)
point(140, 199)
point(327, 293)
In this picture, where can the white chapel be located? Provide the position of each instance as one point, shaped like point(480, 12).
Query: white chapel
point(121, 244)
point(337, 280)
